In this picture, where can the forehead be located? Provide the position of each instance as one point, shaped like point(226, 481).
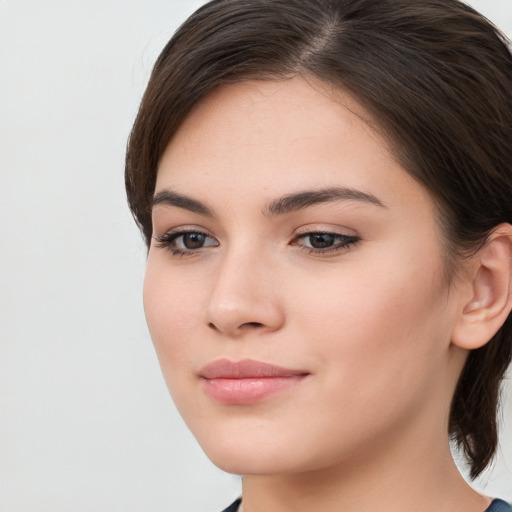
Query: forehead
point(248, 106)
point(273, 136)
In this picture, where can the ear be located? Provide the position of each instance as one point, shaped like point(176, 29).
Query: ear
point(490, 291)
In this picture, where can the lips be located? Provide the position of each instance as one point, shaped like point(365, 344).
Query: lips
point(247, 381)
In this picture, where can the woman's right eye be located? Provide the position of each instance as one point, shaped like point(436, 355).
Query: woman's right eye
point(182, 243)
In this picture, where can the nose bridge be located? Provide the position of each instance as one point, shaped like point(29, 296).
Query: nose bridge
point(243, 295)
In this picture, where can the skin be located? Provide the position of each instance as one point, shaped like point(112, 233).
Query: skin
point(371, 323)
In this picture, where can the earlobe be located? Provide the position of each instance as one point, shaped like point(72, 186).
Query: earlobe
point(490, 300)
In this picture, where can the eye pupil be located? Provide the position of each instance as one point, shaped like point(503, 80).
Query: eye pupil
point(321, 240)
point(193, 240)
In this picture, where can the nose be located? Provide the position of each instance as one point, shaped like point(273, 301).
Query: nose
point(245, 297)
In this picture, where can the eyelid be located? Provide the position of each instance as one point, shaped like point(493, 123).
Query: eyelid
point(348, 240)
point(183, 229)
point(166, 240)
point(325, 228)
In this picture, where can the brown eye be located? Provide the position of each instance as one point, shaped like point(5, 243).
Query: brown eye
point(186, 242)
point(325, 242)
point(191, 241)
point(194, 240)
point(321, 240)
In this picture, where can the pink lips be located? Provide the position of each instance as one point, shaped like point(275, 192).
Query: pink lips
point(247, 381)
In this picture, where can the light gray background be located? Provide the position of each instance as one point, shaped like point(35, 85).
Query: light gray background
point(85, 420)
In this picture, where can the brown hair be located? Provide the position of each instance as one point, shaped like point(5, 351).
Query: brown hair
point(435, 76)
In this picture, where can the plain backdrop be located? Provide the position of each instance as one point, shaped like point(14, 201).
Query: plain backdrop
point(85, 420)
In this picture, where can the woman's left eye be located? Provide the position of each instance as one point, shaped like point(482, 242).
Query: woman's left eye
point(325, 242)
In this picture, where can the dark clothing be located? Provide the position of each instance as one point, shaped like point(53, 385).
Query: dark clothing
point(496, 506)
point(234, 506)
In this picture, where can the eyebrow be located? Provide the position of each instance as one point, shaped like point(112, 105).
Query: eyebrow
point(300, 200)
point(169, 198)
point(286, 204)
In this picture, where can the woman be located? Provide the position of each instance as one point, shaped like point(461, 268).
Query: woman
point(324, 187)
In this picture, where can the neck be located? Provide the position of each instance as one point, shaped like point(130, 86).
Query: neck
point(415, 475)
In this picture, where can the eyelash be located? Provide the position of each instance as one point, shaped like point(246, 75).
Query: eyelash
point(345, 242)
point(167, 240)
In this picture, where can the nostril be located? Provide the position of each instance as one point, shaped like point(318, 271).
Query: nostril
point(251, 324)
point(246, 325)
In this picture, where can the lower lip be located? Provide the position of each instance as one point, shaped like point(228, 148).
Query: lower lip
point(249, 390)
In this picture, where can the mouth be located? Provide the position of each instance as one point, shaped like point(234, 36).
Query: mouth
point(247, 381)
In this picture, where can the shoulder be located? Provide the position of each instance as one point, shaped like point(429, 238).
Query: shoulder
point(234, 506)
point(498, 506)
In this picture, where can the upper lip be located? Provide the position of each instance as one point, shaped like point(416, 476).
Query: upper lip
point(245, 369)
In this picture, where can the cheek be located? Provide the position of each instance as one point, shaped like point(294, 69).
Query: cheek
point(376, 331)
point(172, 308)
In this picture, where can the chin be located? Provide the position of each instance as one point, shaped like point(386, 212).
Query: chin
point(265, 453)
point(255, 463)
point(249, 454)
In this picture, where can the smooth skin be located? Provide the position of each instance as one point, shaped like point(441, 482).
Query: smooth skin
point(349, 287)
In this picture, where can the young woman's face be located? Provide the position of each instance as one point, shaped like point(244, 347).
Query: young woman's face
point(295, 290)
